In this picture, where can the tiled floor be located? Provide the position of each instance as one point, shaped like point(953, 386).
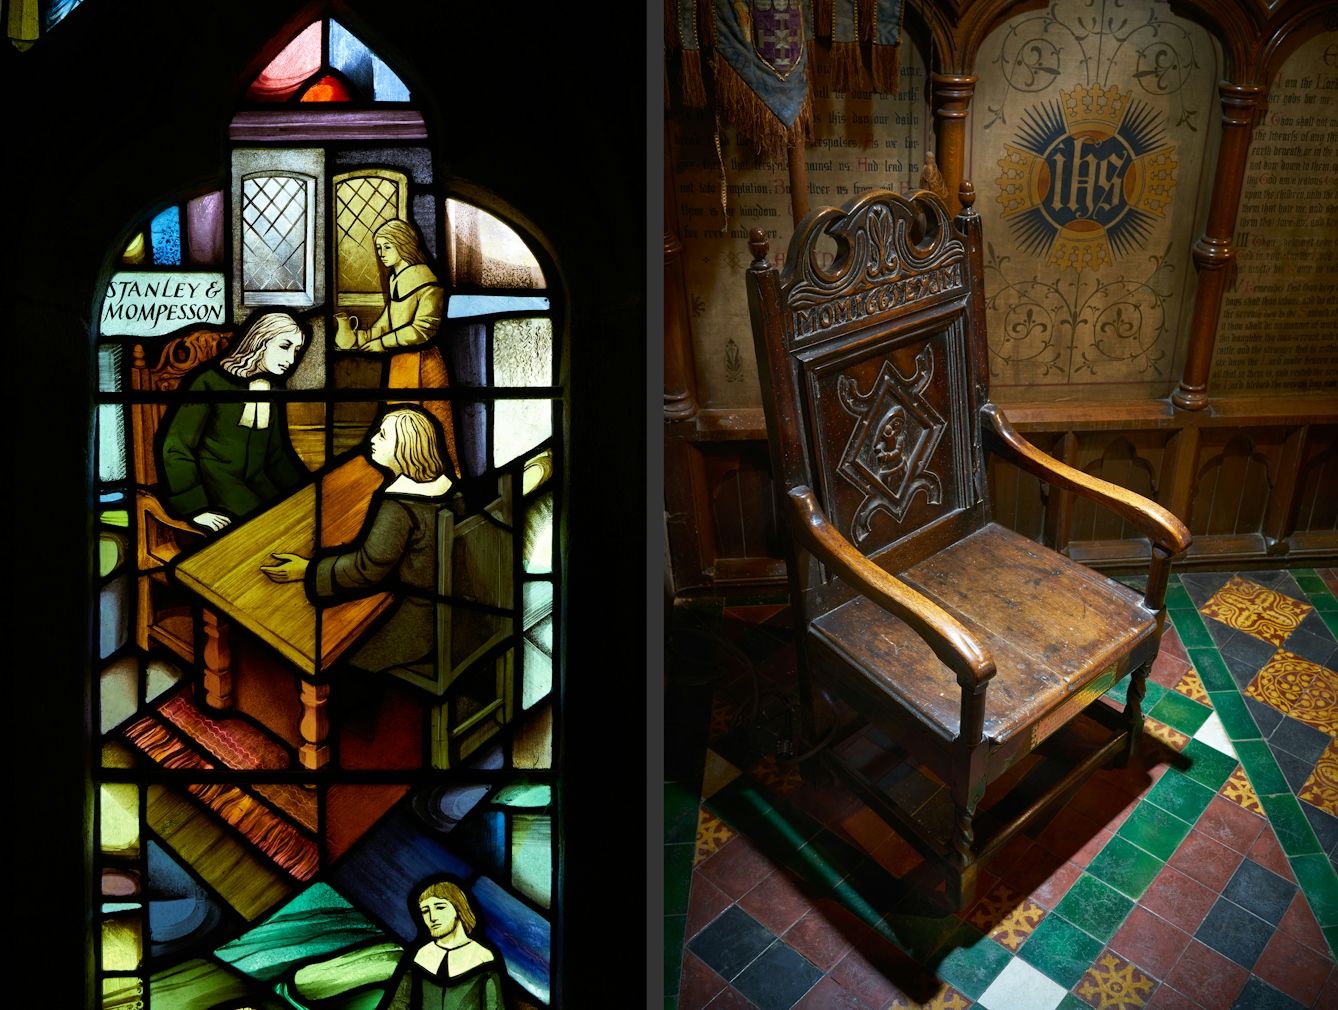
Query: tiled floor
point(1201, 876)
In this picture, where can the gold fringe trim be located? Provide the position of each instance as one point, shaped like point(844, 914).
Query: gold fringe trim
point(824, 20)
point(847, 68)
point(694, 91)
point(750, 115)
point(667, 102)
point(811, 67)
point(671, 23)
point(932, 179)
point(887, 69)
point(863, 20)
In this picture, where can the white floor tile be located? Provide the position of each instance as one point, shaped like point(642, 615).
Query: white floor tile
point(1214, 734)
point(1021, 987)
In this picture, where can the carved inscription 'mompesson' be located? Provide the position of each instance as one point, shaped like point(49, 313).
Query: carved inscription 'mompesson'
point(868, 303)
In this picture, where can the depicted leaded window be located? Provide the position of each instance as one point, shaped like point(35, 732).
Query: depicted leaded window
point(328, 460)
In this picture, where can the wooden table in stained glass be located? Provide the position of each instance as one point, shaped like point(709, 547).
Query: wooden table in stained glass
point(226, 575)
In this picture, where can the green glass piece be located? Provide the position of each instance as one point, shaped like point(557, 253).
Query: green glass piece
point(119, 808)
point(1125, 867)
point(1207, 765)
point(1061, 950)
point(1094, 907)
point(122, 945)
point(196, 983)
point(1236, 718)
point(1290, 825)
point(532, 859)
point(1154, 830)
point(339, 974)
point(1211, 670)
point(524, 794)
point(1180, 712)
point(116, 517)
point(1180, 795)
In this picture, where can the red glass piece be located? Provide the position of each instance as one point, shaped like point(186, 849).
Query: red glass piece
point(327, 89)
point(295, 63)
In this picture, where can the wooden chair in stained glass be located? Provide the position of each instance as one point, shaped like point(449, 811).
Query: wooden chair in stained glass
point(967, 644)
point(161, 536)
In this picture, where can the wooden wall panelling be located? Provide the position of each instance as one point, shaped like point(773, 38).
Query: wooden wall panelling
point(1131, 460)
point(687, 510)
point(744, 528)
point(1282, 501)
point(1020, 500)
point(1313, 525)
point(1236, 476)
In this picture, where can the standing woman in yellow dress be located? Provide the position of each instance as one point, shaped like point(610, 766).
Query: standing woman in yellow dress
point(405, 330)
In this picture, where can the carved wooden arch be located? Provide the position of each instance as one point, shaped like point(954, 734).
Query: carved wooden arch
point(1243, 439)
point(1316, 474)
point(1089, 515)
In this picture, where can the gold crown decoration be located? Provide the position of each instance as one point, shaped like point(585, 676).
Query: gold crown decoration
point(1016, 170)
point(1094, 109)
point(1080, 250)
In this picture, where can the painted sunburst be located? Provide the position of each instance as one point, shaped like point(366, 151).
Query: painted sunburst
point(1086, 177)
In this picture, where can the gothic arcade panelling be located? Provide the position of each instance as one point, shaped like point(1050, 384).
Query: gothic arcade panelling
point(1278, 331)
point(863, 141)
point(1090, 124)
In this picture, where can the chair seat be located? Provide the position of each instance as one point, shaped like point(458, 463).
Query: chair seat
point(1051, 625)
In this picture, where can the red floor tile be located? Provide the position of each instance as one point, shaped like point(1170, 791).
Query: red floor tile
point(1231, 824)
point(1268, 853)
point(1180, 900)
point(1033, 869)
point(705, 902)
point(1150, 942)
point(1171, 644)
point(1295, 969)
point(737, 867)
point(833, 802)
point(1209, 862)
point(698, 984)
point(731, 999)
point(1074, 837)
point(830, 995)
point(875, 970)
point(1299, 923)
point(897, 856)
point(1101, 802)
point(778, 901)
point(826, 933)
point(1213, 979)
point(864, 828)
point(1050, 891)
point(781, 668)
point(1166, 998)
point(1008, 856)
point(1328, 996)
point(1168, 669)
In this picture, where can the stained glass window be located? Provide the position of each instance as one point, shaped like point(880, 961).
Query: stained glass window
point(328, 463)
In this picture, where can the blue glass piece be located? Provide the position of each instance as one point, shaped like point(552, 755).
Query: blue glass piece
point(180, 912)
point(482, 305)
point(111, 442)
point(120, 906)
point(114, 623)
point(386, 86)
point(455, 803)
point(166, 234)
point(389, 863)
point(521, 935)
point(106, 496)
point(492, 759)
point(469, 367)
point(318, 921)
point(483, 838)
point(56, 11)
point(351, 58)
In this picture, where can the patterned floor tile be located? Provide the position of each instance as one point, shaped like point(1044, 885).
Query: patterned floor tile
point(1321, 788)
point(1112, 983)
point(1006, 916)
point(1167, 735)
point(776, 778)
point(1282, 680)
point(1238, 790)
point(712, 833)
point(1249, 607)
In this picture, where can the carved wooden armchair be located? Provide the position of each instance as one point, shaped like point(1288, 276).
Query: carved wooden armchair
point(966, 643)
point(161, 536)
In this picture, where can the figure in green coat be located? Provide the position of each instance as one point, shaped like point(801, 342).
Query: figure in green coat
point(452, 971)
point(225, 461)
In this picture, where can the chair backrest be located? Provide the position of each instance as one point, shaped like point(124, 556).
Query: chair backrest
point(179, 356)
point(873, 371)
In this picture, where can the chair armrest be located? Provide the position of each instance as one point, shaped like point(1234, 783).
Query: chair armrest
point(1152, 520)
point(150, 542)
point(942, 632)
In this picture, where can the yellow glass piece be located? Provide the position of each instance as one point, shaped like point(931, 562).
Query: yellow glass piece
point(24, 21)
point(134, 251)
point(363, 203)
point(111, 551)
point(537, 470)
point(122, 947)
point(120, 818)
point(116, 517)
point(484, 252)
point(123, 993)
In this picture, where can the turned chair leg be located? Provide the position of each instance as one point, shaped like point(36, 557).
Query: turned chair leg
point(217, 662)
point(1133, 713)
point(314, 726)
point(962, 889)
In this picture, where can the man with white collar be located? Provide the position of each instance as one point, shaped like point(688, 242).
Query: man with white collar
point(451, 971)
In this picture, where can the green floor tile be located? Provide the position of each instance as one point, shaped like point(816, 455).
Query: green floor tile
point(1309, 582)
point(1290, 825)
point(677, 877)
point(1190, 626)
point(680, 813)
point(674, 928)
point(1315, 875)
point(1180, 712)
point(1120, 691)
point(1324, 602)
point(1095, 907)
point(1155, 693)
point(1207, 765)
point(1178, 599)
point(1331, 934)
point(1125, 867)
point(1260, 767)
point(1211, 670)
point(1071, 1002)
point(671, 1003)
point(1153, 829)
point(1061, 950)
point(971, 962)
point(1181, 796)
point(1236, 718)
point(1330, 618)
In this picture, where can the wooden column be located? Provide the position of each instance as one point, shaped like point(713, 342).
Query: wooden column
point(314, 725)
point(1213, 252)
point(952, 101)
point(217, 662)
point(798, 183)
point(680, 396)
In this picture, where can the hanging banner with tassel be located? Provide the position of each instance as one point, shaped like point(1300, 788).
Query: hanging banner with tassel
point(681, 17)
point(851, 23)
point(761, 72)
point(887, 45)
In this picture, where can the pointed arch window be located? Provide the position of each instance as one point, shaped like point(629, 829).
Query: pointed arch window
point(328, 476)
